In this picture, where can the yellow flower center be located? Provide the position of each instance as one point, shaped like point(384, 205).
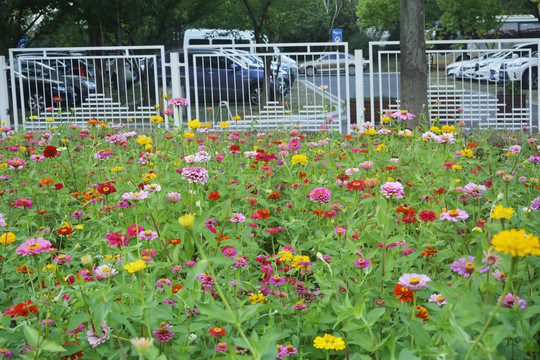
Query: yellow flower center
point(105, 189)
point(453, 213)
point(276, 277)
point(148, 232)
point(414, 281)
point(136, 195)
point(217, 329)
point(106, 270)
point(469, 265)
point(33, 246)
point(440, 298)
point(361, 261)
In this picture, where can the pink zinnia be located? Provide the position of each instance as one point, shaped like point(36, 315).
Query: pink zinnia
point(163, 335)
point(228, 251)
point(94, 339)
point(294, 145)
point(178, 102)
point(222, 346)
point(194, 174)
point(277, 280)
point(510, 300)
point(414, 281)
point(362, 263)
point(117, 239)
point(403, 115)
point(366, 165)
point(445, 138)
point(238, 217)
point(465, 268)
point(321, 195)
point(134, 196)
point(148, 235)
point(133, 230)
point(27, 203)
point(454, 215)
point(438, 299)
point(34, 246)
point(473, 190)
point(285, 351)
point(393, 188)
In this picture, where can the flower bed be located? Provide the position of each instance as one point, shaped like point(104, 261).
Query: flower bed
point(388, 243)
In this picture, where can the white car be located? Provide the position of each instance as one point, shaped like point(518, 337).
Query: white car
point(523, 69)
point(455, 69)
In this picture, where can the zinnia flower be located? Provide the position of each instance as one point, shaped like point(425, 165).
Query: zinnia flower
point(393, 188)
point(134, 196)
point(321, 195)
point(94, 339)
point(362, 263)
point(516, 242)
point(163, 335)
point(217, 331)
point(414, 281)
point(34, 246)
point(135, 266)
point(329, 342)
point(454, 215)
point(465, 268)
point(500, 212)
point(438, 299)
point(510, 300)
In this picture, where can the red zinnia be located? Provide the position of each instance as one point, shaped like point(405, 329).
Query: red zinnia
point(427, 215)
point(214, 195)
point(234, 148)
point(275, 195)
point(356, 185)
point(175, 241)
point(301, 175)
point(343, 177)
point(66, 230)
point(319, 212)
point(217, 331)
point(440, 191)
point(50, 151)
point(403, 293)
point(24, 309)
point(58, 186)
point(106, 188)
point(408, 219)
point(263, 214)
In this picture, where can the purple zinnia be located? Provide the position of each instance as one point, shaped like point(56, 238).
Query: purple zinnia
point(148, 235)
point(535, 159)
point(535, 204)
point(438, 299)
point(277, 280)
point(94, 339)
point(465, 268)
point(510, 300)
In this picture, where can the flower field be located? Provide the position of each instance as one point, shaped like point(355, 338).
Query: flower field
point(199, 244)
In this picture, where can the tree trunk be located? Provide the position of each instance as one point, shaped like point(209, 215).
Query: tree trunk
point(413, 61)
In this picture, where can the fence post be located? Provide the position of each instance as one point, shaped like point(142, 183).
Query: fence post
point(175, 82)
point(4, 98)
point(359, 78)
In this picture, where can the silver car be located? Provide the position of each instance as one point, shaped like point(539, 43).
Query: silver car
point(329, 63)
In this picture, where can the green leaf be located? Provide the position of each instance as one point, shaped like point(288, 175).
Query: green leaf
point(217, 312)
point(51, 346)
point(421, 336)
point(248, 312)
point(374, 315)
point(31, 334)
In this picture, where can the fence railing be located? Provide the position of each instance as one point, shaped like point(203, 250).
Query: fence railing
point(487, 83)
point(112, 84)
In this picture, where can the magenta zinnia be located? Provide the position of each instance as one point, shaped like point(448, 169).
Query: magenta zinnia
point(34, 246)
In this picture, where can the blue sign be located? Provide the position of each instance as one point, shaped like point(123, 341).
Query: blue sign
point(23, 42)
point(337, 35)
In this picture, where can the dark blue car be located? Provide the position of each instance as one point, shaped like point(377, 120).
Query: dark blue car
point(222, 77)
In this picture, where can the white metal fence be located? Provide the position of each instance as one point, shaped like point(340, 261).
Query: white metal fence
point(486, 83)
point(305, 85)
point(110, 84)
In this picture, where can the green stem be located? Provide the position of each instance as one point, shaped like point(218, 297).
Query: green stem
point(504, 293)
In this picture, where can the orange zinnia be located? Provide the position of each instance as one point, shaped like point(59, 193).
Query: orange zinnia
point(403, 293)
point(46, 181)
point(422, 313)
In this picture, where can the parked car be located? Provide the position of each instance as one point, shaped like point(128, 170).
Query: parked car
point(329, 63)
point(456, 69)
point(522, 69)
point(38, 92)
point(220, 76)
point(82, 86)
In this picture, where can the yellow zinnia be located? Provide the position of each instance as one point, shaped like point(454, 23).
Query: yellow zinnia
point(301, 262)
point(371, 131)
point(224, 125)
point(258, 298)
point(299, 159)
point(194, 124)
point(189, 135)
point(501, 212)
point(187, 221)
point(143, 140)
point(135, 266)
point(156, 119)
point(329, 342)
point(516, 242)
point(7, 238)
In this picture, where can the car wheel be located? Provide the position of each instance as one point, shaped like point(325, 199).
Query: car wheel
point(255, 95)
point(310, 71)
point(36, 102)
point(352, 70)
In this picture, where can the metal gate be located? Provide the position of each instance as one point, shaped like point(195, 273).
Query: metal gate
point(109, 84)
